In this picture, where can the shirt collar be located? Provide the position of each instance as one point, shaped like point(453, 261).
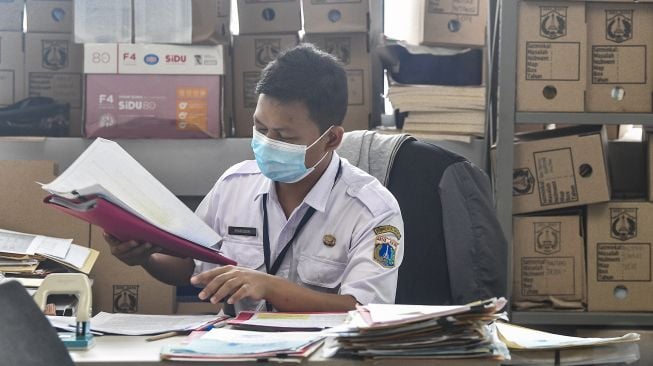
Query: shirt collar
point(318, 196)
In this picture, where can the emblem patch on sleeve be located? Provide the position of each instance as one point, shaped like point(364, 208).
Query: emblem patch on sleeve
point(385, 229)
point(385, 251)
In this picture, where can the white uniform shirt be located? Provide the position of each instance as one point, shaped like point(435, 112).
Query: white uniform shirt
point(361, 214)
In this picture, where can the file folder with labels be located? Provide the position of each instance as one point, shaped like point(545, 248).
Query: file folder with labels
point(127, 226)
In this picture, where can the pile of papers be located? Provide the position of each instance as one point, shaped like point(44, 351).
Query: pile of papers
point(30, 255)
point(286, 322)
point(417, 331)
point(436, 111)
point(241, 345)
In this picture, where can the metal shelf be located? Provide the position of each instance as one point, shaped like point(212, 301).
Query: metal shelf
point(186, 167)
point(575, 318)
point(584, 118)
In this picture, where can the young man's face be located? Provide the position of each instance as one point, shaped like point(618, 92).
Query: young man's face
point(291, 123)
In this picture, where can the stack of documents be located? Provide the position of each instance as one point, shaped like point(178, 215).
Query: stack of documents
point(108, 188)
point(437, 111)
point(286, 322)
point(417, 331)
point(30, 255)
point(240, 345)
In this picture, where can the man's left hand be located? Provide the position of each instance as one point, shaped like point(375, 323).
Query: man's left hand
point(239, 282)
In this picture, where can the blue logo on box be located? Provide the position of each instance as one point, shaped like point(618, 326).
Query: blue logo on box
point(151, 59)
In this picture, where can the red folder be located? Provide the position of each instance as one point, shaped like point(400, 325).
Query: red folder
point(126, 226)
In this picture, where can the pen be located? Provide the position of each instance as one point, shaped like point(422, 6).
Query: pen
point(162, 336)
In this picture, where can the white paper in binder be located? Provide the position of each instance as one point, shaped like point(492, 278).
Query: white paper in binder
point(101, 21)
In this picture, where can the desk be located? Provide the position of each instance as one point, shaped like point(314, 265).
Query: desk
point(135, 351)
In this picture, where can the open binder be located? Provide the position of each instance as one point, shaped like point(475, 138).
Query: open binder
point(127, 226)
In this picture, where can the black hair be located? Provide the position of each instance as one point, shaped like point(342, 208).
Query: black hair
point(306, 74)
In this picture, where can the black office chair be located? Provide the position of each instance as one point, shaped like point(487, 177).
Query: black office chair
point(450, 257)
point(26, 336)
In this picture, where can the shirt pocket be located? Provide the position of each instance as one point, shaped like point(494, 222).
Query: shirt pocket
point(247, 253)
point(320, 274)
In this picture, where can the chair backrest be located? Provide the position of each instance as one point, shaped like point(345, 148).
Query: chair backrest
point(26, 336)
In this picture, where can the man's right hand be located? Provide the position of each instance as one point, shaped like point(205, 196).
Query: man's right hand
point(131, 252)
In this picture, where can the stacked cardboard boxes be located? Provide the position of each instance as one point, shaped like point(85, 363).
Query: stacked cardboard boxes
point(266, 29)
point(53, 62)
point(12, 54)
point(342, 29)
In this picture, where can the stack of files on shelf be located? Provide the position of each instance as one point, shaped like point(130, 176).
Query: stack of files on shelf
point(30, 255)
point(220, 344)
point(436, 110)
point(108, 188)
point(533, 347)
point(421, 331)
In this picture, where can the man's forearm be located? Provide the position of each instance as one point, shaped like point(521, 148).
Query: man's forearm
point(287, 296)
point(171, 270)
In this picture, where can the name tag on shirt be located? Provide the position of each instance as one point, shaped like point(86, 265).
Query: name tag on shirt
point(243, 231)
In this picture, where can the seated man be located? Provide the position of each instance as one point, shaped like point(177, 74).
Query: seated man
point(310, 232)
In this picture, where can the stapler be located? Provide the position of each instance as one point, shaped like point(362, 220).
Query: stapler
point(76, 284)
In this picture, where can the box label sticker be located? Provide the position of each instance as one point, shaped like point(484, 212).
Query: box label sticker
point(619, 25)
point(553, 21)
point(550, 61)
point(192, 109)
point(623, 223)
point(340, 47)
point(555, 176)
point(456, 7)
point(266, 50)
point(63, 87)
point(623, 262)
point(547, 237)
point(54, 54)
point(356, 85)
point(125, 298)
point(552, 276)
point(619, 64)
point(250, 79)
point(522, 182)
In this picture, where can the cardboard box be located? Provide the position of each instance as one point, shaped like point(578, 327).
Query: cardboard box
point(101, 21)
point(621, 57)
point(153, 106)
point(153, 59)
point(186, 22)
point(551, 56)
point(21, 199)
point(619, 256)
point(612, 132)
point(336, 16)
point(269, 16)
point(649, 164)
point(12, 68)
point(560, 168)
point(55, 16)
point(251, 53)
point(11, 15)
point(53, 68)
point(354, 52)
point(119, 288)
point(627, 166)
point(444, 22)
point(549, 262)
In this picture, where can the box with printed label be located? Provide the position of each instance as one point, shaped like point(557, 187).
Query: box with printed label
point(352, 49)
point(559, 168)
point(53, 68)
point(153, 106)
point(101, 21)
point(11, 15)
point(336, 16)
point(49, 16)
point(551, 56)
point(619, 241)
point(152, 59)
point(12, 68)
point(186, 22)
point(620, 45)
point(251, 53)
point(119, 288)
point(549, 262)
point(269, 16)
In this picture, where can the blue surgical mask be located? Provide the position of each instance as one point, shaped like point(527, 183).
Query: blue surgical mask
point(281, 161)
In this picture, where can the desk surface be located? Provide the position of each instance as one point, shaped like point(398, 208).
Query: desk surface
point(135, 351)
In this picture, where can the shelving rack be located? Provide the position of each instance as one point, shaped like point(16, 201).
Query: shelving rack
point(507, 116)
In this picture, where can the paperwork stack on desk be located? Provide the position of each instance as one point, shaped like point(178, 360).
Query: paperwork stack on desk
point(426, 332)
point(286, 322)
point(107, 187)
